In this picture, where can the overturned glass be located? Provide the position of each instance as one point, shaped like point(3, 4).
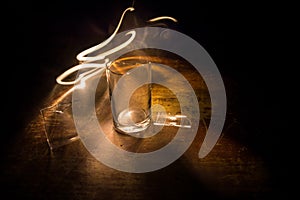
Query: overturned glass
point(58, 123)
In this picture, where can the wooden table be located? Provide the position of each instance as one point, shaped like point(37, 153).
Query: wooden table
point(232, 170)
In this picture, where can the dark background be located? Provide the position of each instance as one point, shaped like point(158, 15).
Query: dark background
point(241, 38)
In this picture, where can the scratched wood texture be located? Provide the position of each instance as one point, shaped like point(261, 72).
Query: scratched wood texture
point(231, 170)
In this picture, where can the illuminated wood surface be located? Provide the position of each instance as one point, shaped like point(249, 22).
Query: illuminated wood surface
point(230, 171)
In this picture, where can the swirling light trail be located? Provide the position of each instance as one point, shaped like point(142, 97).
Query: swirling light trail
point(88, 60)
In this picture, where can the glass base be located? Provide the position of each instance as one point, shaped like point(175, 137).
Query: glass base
point(132, 121)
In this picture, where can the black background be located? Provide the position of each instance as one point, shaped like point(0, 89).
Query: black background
point(242, 39)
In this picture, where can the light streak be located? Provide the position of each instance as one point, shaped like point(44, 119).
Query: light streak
point(87, 61)
point(161, 18)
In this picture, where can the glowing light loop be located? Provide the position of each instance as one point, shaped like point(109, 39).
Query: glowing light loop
point(95, 67)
